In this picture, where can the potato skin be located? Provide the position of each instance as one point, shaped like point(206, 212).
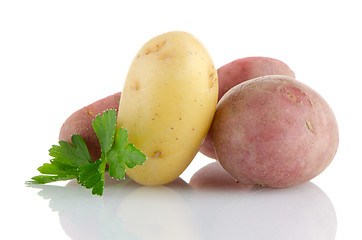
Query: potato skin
point(243, 69)
point(274, 131)
point(239, 71)
point(80, 122)
point(168, 103)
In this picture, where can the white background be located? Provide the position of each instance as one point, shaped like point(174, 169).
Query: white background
point(58, 56)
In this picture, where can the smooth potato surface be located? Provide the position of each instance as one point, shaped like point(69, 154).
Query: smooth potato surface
point(239, 71)
point(274, 131)
point(80, 122)
point(168, 103)
point(244, 69)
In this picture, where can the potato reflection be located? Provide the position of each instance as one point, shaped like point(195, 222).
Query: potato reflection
point(300, 212)
point(160, 211)
point(213, 176)
point(128, 210)
point(238, 211)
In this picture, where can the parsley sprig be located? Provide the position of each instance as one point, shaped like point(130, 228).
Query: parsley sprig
point(72, 161)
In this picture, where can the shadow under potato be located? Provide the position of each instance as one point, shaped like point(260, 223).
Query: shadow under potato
point(214, 177)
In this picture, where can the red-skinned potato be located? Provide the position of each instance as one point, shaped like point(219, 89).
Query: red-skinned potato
point(274, 131)
point(240, 71)
point(80, 122)
point(243, 69)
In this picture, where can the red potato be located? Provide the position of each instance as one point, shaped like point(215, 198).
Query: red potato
point(248, 68)
point(240, 71)
point(274, 131)
point(80, 122)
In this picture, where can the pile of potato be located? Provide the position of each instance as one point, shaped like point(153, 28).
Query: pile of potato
point(262, 125)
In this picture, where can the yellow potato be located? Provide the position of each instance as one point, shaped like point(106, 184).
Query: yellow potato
point(167, 105)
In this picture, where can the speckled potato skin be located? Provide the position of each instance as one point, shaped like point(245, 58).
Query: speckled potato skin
point(239, 71)
point(80, 122)
point(274, 131)
point(168, 103)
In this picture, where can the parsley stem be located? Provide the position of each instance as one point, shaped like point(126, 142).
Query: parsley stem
point(102, 166)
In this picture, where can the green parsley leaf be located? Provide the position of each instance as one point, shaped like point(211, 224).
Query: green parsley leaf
point(42, 179)
point(64, 165)
point(105, 128)
point(75, 154)
point(72, 161)
point(122, 155)
point(92, 176)
point(57, 168)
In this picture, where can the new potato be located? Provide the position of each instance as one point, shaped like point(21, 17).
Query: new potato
point(241, 70)
point(80, 122)
point(167, 105)
point(274, 131)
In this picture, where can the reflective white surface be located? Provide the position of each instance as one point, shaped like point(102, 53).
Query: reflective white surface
point(58, 56)
point(177, 211)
